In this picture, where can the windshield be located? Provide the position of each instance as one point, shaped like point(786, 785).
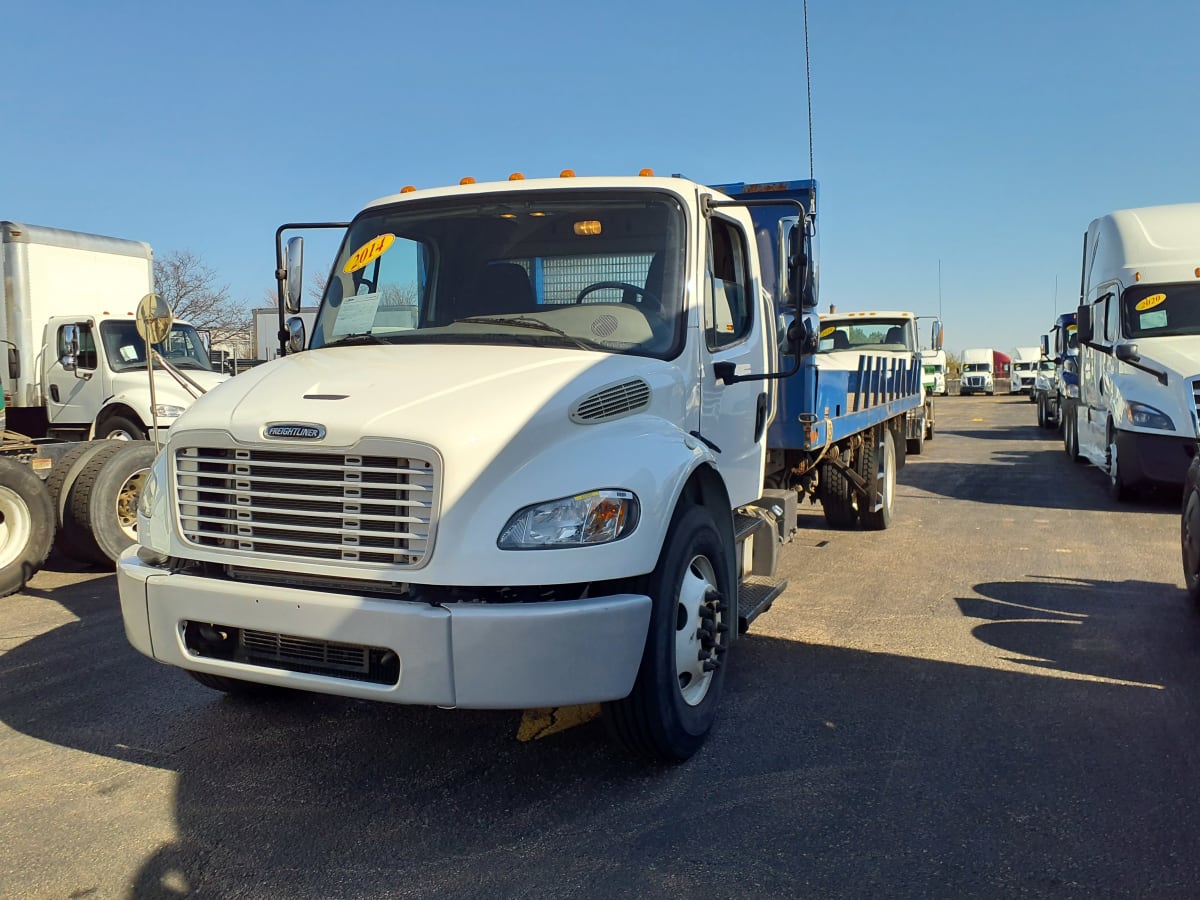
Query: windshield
point(1153, 310)
point(126, 349)
point(977, 367)
point(1046, 365)
point(599, 271)
point(863, 334)
point(1024, 366)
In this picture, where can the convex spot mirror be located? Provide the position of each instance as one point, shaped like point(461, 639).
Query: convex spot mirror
point(295, 330)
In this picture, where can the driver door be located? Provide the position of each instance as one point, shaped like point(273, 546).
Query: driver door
point(734, 417)
point(72, 398)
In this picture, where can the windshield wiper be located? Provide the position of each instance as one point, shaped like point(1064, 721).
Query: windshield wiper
point(362, 337)
point(538, 324)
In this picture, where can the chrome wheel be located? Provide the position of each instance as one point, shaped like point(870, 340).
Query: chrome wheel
point(698, 626)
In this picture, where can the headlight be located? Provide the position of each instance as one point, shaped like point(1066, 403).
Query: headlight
point(1145, 416)
point(167, 411)
point(597, 517)
point(149, 494)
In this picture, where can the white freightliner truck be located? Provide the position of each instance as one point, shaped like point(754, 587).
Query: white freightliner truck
point(1139, 347)
point(978, 372)
point(544, 488)
point(1024, 371)
point(76, 366)
point(846, 336)
point(933, 362)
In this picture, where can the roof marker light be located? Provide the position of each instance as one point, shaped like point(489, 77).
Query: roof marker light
point(646, 173)
point(516, 176)
point(467, 179)
point(567, 173)
point(407, 189)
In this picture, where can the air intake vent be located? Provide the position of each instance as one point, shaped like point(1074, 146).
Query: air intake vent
point(612, 402)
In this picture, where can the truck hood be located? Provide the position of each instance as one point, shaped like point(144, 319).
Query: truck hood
point(425, 393)
point(1180, 356)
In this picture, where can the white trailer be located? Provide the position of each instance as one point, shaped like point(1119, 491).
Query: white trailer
point(266, 330)
point(1025, 362)
point(1139, 347)
point(76, 367)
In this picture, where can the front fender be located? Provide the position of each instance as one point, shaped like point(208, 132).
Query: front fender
point(1122, 389)
point(648, 456)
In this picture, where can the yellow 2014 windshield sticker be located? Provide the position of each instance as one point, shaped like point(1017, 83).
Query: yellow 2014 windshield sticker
point(1150, 302)
point(369, 252)
point(828, 331)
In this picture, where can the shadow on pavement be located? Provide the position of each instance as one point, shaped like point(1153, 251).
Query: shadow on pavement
point(832, 772)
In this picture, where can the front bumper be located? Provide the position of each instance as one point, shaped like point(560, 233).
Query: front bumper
point(1156, 458)
point(471, 655)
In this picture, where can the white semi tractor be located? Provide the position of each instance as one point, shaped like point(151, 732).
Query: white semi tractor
point(539, 450)
point(76, 366)
point(1139, 347)
point(1025, 362)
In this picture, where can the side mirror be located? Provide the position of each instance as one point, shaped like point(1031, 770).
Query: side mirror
point(1083, 324)
point(293, 294)
point(70, 347)
point(801, 269)
point(295, 329)
point(935, 338)
point(1127, 353)
point(1045, 341)
point(14, 363)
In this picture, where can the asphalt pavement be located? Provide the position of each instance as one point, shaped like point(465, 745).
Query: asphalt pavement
point(995, 697)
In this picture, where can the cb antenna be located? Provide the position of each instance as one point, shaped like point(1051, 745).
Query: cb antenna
point(812, 190)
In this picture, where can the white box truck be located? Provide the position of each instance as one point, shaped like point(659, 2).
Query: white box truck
point(265, 326)
point(1139, 347)
point(1024, 371)
point(563, 482)
point(76, 367)
point(933, 362)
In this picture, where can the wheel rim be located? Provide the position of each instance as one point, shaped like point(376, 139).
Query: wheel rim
point(889, 476)
point(126, 505)
point(698, 627)
point(120, 434)
point(1114, 476)
point(16, 526)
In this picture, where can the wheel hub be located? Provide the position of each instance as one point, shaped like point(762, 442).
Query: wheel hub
point(701, 629)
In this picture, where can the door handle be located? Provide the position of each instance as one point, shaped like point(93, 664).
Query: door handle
point(54, 392)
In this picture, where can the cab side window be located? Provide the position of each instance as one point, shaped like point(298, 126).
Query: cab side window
point(728, 307)
point(1111, 317)
point(87, 347)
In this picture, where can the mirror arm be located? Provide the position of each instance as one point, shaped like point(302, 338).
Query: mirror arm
point(281, 268)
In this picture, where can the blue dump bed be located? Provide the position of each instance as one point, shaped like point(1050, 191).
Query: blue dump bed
point(817, 405)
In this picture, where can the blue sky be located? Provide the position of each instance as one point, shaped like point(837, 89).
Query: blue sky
point(983, 135)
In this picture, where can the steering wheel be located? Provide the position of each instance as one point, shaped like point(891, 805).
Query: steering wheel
point(647, 296)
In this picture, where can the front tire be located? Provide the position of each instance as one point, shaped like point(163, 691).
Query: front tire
point(119, 428)
point(1120, 488)
point(673, 704)
point(1189, 539)
point(26, 525)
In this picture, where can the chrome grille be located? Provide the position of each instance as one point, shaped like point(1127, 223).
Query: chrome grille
point(267, 646)
point(352, 508)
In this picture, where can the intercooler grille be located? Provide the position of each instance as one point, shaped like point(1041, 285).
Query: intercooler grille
point(267, 646)
point(319, 506)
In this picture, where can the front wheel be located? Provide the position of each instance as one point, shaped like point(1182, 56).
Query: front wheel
point(1189, 539)
point(673, 704)
point(119, 428)
point(1120, 488)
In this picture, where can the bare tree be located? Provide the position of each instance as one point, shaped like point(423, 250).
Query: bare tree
point(185, 281)
point(316, 290)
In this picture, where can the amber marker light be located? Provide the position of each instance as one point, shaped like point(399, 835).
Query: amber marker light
point(1137, 276)
point(407, 189)
point(590, 226)
point(466, 180)
point(646, 173)
point(567, 173)
point(1198, 273)
point(516, 176)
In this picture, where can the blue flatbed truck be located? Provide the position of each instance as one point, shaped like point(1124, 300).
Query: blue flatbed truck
point(838, 436)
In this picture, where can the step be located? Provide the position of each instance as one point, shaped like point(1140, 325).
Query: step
point(756, 593)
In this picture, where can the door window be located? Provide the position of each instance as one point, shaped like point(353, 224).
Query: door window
point(728, 307)
point(87, 347)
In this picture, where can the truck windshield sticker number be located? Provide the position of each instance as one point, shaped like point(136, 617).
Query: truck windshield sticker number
point(1150, 302)
point(369, 252)
point(356, 315)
